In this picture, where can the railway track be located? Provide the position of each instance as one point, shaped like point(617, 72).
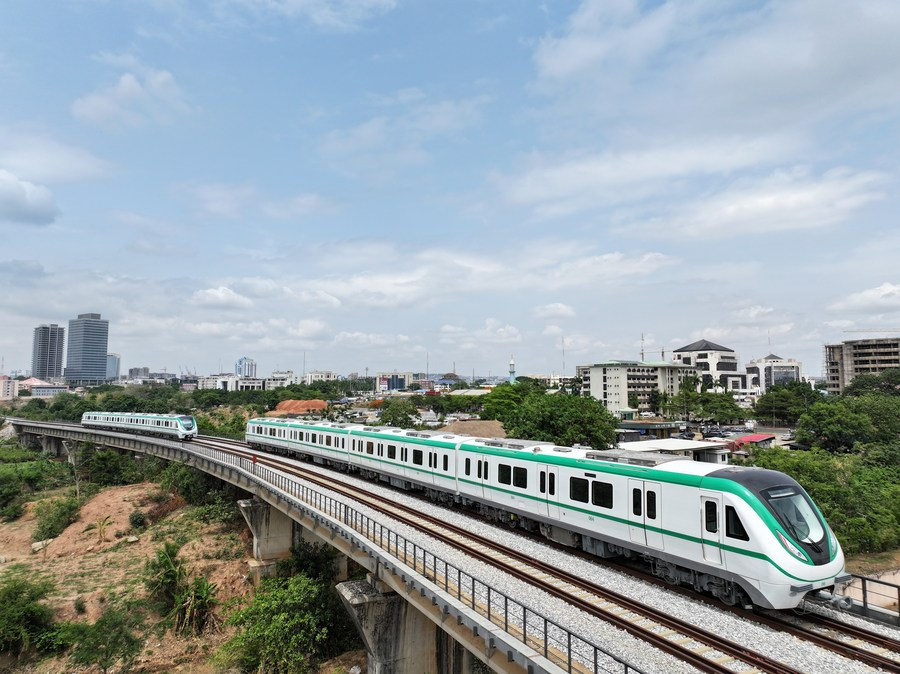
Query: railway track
point(850, 641)
point(704, 650)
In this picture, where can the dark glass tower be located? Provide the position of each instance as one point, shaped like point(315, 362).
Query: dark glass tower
point(86, 357)
point(47, 351)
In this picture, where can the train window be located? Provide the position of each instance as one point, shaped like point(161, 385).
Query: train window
point(651, 505)
point(602, 494)
point(711, 513)
point(504, 473)
point(636, 501)
point(520, 477)
point(479, 469)
point(404, 452)
point(314, 438)
point(417, 457)
point(542, 482)
point(446, 463)
point(272, 432)
point(468, 470)
point(578, 489)
point(734, 528)
point(370, 447)
point(328, 440)
point(392, 451)
point(552, 484)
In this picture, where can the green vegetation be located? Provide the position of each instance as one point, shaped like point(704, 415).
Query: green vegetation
point(193, 612)
point(54, 516)
point(292, 623)
point(110, 640)
point(25, 621)
point(562, 419)
point(165, 578)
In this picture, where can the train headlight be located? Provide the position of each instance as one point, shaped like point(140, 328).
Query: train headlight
point(790, 546)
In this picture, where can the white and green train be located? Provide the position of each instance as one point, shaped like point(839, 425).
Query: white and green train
point(179, 426)
point(747, 535)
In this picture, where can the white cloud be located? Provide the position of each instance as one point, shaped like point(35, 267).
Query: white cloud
point(340, 15)
point(885, 297)
point(22, 202)
point(781, 202)
point(300, 206)
point(140, 96)
point(364, 340)
point(35, 156)
point(383, 143)
point(555, 310)
point(223, 200)
point(221, 297)
point(493, 332)
point(561, 186)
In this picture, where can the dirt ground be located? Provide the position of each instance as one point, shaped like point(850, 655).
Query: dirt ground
point(96, 570)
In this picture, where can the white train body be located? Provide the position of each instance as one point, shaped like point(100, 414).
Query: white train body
point(740, 533)
point(181, 426)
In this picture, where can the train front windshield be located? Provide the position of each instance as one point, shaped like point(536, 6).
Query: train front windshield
point(796, 514)
point(187, 422)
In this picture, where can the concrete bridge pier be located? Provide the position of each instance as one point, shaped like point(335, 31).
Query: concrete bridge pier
point(52, 446)
point(400, 639)
point(272, 536)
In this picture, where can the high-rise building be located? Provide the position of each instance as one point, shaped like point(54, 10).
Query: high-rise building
point(844, 361)
point(47, 351)
point(113, 366)
point(87, 349)
point(245, 367)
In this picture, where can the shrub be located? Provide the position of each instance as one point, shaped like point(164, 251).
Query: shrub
point(308, 628)
point(107, 641)
point(54, 516)
point(24, 619)
point(137, 519)
point(165, 577)
point(80, 606)
point(194, 608)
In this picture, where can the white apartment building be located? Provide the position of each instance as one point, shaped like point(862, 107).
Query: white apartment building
point(9, 388)
point(614, 382)
point(319, 375)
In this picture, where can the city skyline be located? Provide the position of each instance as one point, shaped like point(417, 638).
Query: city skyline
point(381, 185)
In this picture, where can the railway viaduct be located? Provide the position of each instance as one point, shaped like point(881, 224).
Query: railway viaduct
point(416, 612)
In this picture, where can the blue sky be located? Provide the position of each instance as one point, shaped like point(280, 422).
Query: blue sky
point(384, 183)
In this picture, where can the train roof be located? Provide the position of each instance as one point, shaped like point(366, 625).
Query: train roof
point(531, 448)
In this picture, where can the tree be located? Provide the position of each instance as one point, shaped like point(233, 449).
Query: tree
point(887, 382)
point(398, 412)
point(500, 403)
point(720, 407)
point(564, 420)
point(285, 629)
point(109, 640)
point(786, 403)
point(687, 401)
point(834, 426)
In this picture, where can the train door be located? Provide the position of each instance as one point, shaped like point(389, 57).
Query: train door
point(711, 527)
point(644, 513)
point(548, 478)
